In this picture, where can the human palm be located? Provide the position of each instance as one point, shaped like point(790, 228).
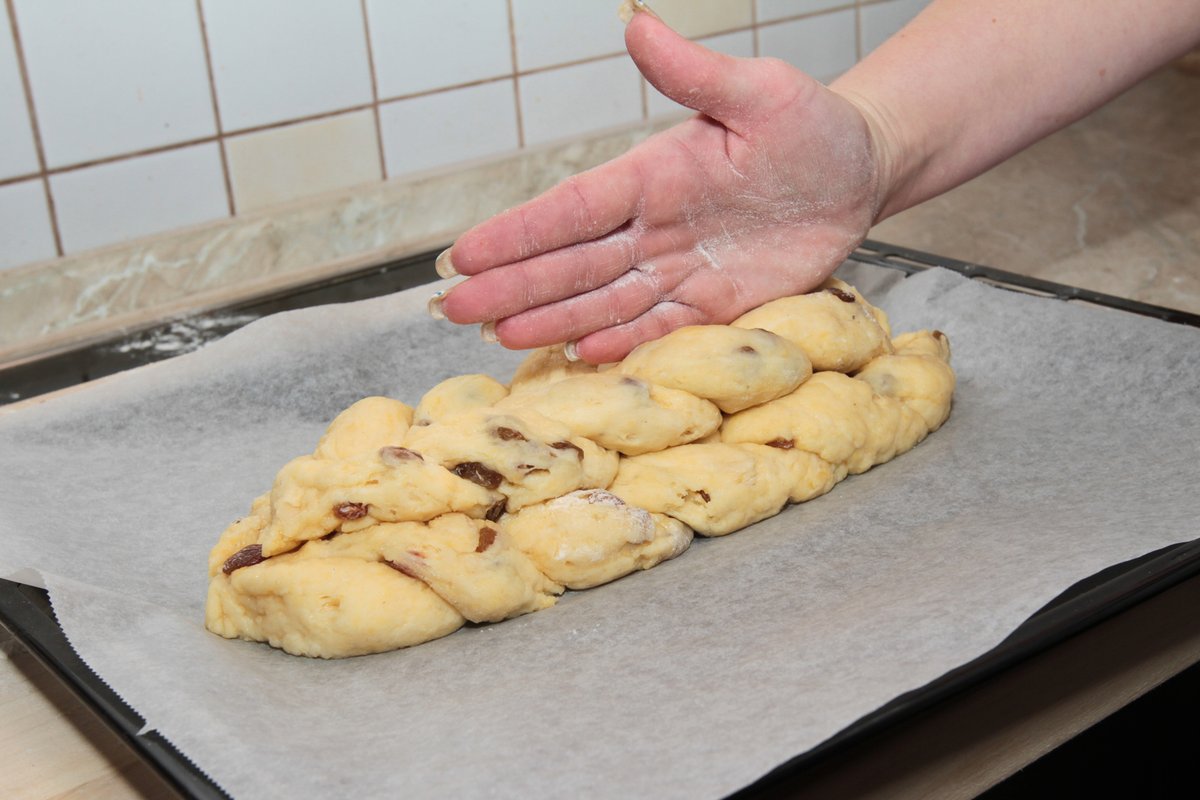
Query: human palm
point(760, 195)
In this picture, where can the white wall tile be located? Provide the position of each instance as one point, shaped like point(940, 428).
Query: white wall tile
point(281, 164)
point(138, 196)
point(823, 46)
point(447, 127)
point(553, 32)
point(739, 44)
point(770, 10)
point(113, 78)
point(277, 60)
point(693, 18)
point(422, 46)
point(881, 20)
point(18, 156)
point(573, 101)
point(25, 233)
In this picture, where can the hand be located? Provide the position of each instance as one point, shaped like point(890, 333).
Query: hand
point(761, 195)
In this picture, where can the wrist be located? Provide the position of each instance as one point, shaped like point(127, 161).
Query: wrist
point(896, 161)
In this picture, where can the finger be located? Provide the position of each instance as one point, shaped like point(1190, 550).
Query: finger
point(580, 209)
point(725, 88)
point(568, 272)
point(504, 291)
point(613, 344)
point(625, 299)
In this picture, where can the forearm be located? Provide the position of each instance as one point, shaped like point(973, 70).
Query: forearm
point(970, 82)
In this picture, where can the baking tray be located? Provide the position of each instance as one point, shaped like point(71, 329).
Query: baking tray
point(27, 613)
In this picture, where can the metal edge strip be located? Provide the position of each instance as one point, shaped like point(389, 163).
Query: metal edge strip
point(27, 613)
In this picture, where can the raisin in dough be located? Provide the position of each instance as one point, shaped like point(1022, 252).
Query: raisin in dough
point(851, 423)
point(621, 412)
point(839, 418)
point(364, 427)
point(326, 607)
point(242, 533)
point(734, 368)
point(590, 537)
point(391, 585)
point(469, 563)
point(458, 394)
point(313, 497)
point(714, 488)
point(834, 328)
point(878, 313)
point(521, 454)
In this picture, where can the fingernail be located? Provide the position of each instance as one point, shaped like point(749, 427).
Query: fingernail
point(571, 351)
point(434, 305)
point(443, 265)
point(631, 7)
point(487, 332)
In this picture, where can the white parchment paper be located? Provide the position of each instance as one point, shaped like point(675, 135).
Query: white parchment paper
point(1073, 445)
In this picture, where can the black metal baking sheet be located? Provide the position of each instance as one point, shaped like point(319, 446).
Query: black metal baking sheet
point(27, 613)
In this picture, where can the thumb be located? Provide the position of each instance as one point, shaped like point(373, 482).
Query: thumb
point(728, 89)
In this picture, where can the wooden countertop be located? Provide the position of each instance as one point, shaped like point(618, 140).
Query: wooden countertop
point(53, 746)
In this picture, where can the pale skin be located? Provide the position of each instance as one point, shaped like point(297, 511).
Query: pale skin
point(778, 177)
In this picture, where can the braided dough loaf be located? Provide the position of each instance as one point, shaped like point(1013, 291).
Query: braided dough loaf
point(487, 501)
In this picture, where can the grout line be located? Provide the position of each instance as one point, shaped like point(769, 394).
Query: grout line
point(606, 56)
point(450, 88)
point(227, 175)
point(212, 91)
point(148, 151)
point(754, 27)
point(52, 210)
point(268, 126)
point(858, 50)
point(810, 14)
point(516, 74)
point(383, 169)
point(28, 176)
point(723, 32)
point(35, 128)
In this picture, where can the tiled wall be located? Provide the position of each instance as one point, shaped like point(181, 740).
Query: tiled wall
point(124, 119)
